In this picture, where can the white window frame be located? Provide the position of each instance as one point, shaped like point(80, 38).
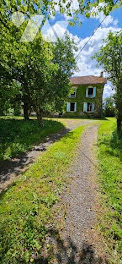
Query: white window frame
point(68, 107)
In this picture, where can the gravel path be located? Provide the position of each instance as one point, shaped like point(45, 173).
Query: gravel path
point(74, 239)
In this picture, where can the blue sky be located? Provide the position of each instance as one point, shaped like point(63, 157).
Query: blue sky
point(81, 35)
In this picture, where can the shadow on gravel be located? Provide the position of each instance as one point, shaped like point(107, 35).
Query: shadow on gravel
point(67, 253)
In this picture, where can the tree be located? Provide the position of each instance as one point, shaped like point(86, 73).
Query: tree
point(110, 57)
point(47, 8)
point(37, 74)
point(63, 56)
point(109, 106)
point(47, 72)
point(41, 70)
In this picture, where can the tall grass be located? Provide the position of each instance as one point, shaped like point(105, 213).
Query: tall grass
point(110, 161)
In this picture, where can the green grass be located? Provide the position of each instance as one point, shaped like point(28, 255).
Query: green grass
point(25, 208)
point(110, 159)
point(18, 136)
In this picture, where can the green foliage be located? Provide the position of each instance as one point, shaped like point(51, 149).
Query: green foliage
point(25, 208)
point(109, 107)
point(17, 135)
point(110, 56)
point(110, 161)
point(37, 73)
point(48, 8)
point(63, 57)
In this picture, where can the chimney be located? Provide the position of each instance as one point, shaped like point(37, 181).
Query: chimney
point(101, 74)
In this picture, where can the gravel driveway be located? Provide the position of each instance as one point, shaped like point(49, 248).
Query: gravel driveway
point(73, 238)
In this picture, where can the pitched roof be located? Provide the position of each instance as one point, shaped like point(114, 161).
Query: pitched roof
point(90, 79)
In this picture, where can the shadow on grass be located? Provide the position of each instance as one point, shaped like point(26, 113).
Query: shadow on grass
point(66, 252)
point(116, 144)
point(17, 137)
point(81, 118)
point(113, 145)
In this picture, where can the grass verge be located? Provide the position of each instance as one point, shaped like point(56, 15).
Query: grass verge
point(110, 160)
point(18, 136)
point(25, 208)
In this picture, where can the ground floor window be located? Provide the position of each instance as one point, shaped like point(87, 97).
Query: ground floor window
point(88, 107)
point(71, 107)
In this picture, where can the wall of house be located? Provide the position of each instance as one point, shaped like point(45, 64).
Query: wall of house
point(81, 98)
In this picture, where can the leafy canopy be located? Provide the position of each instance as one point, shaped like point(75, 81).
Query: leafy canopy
point(110, 57)
point(44, 7)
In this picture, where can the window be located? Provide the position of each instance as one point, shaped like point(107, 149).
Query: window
point(71, 107)
point(88, 107)
point(73, 94)
point(91, 92)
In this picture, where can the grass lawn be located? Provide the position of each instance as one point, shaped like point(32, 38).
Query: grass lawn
point(110, 159)
point(17, 135)
point(25, 208)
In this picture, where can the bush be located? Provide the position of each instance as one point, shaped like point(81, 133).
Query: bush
point(109, 107)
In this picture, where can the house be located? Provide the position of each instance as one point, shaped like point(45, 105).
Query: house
point(86, 96)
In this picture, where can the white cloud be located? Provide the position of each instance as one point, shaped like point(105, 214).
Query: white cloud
point(51, 33)
point(97, 13)
point(108, 90)
point(107, 20)
point(88, 66)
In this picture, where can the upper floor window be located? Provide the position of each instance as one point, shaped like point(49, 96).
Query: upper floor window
point(73, 93)
point(91, 92)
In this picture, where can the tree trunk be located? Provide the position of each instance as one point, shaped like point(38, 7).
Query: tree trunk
point(39, 117)
point(119, 125)
point(26, 110)
point(119, 106)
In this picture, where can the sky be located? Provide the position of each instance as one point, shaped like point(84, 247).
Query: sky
point(81, 34)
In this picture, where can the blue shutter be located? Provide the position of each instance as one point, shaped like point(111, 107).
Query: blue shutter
point(93, 106)
point(68, 107)
point(75, 107)
point(94, 92)
point(84, 107)
point(86, 92)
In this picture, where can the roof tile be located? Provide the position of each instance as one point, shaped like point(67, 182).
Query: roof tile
point(90, 79)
